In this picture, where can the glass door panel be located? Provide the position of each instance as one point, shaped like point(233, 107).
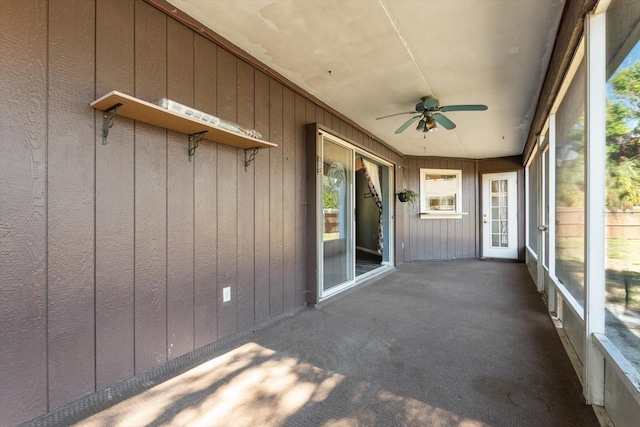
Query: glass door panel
point(337, 214)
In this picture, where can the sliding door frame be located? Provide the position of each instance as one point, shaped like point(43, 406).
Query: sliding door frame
point(314, 163)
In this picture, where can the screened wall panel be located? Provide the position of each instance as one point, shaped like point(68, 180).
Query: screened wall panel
point(622, 215)
point(570, 187)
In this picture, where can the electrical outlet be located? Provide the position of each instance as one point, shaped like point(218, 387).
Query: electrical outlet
point(226, 294)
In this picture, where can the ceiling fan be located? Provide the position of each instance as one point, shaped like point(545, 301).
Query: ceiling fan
point(429, 112)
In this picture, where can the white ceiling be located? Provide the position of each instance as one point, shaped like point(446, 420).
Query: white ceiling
point(371, 58)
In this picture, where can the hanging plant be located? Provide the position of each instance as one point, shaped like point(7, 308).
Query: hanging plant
point(407, 195)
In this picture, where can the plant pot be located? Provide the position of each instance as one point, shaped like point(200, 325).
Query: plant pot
point(402, 197)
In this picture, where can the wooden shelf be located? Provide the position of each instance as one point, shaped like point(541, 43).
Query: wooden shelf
point(136, 109)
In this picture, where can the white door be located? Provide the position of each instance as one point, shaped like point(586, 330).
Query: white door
point(500, 215)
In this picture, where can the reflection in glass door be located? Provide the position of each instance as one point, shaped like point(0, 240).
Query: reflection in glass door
point(337, 216)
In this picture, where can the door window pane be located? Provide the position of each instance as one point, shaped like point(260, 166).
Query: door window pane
point(499, 213)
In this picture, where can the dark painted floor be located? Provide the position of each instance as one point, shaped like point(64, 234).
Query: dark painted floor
point(456, 343)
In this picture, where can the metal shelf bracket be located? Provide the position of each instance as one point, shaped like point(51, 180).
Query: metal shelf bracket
point(108, 118)
point(251, 158)
point(194, 141)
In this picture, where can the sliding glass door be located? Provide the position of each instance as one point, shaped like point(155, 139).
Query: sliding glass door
point(352, 216)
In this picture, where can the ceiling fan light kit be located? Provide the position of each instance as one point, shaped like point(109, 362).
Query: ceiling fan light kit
point(429, 112)
point(427, 124)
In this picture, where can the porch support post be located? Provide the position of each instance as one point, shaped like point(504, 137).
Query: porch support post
point(595, 169)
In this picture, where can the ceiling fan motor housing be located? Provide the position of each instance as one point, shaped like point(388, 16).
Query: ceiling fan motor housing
point(427, 103)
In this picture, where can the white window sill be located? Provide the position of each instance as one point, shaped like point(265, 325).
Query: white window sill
point(442, 215)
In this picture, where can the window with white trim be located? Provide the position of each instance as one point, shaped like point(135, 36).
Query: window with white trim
point(440, 192)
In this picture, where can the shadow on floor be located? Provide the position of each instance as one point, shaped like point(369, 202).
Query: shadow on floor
point(459, 343)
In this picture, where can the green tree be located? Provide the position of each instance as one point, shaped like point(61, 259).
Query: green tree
point(570, 166)
point(623, 134)
point(330, 193)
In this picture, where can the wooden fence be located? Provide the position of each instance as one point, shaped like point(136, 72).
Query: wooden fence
point(620, 224)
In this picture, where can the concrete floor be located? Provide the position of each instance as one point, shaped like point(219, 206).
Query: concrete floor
point(454, 343)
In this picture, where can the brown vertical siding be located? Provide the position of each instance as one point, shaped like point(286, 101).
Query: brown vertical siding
point(23, 211)
point(150, 194)
point(311, 113)
point(179, 198)
point(321, 115)
point(205, 201)
point(71, 190)
point(411, 211)
point(439, 239)
point(246, 189)
point(469, 228)
point(301, 199)
point(288, 199)
point(205, 292)
point(114, 200)
point(227, 240)
point(261, 202)
point(227, 200)
point(180, 283)
point(276, 267)
point(402, 234)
